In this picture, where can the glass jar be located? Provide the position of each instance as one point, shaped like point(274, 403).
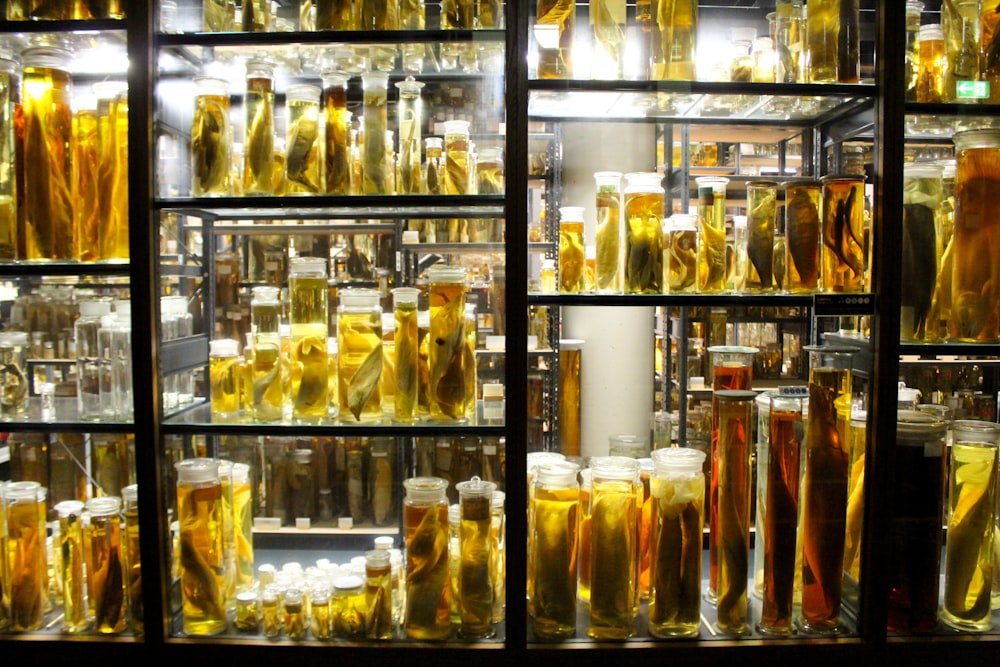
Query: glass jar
point(112, 173)
point(374, 167)
point(25, 555)
point(571, 250)
point(974, 294)
point(680, 254)
point(711, 233)
point(107, 588)
point(269, 391)
point(911, 49)
point(258, 137)
point(570, 408)
point(347, 607)
point(132, 559)
point(788, 35)
point(614, 544)
point(359, 355)
point(407, 349)
point(202, 570)
point(607, 18)
point(70, 545)
point(47, 203)
point(960, 20)
point(409, 111)
point(478, 571)
point(378, 594)
point(309, 325)
point(490, 176)
point(302, 143)
point(674, 41)
point(628, 445)
point(677, 488)
point(211, 139)
point(833, 41)
point(762, 197)
point(608, 235)
point(844, 253)
point(446, 343)
point(930, 64)
point(923, 194)
point(643, 233)
point(764, 60)
point(256, 16)
point(10, 99)
point(301, 480)
point(14, 381)
point(336, 147)
point(223, 368)
point(425, 526)
point(553, 32)
point(335, 15)
point(218, 15)
point(802, 236)
point(457, 159)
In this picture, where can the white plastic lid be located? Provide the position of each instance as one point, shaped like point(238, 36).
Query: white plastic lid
point(456, 127)
point(68, 508)
point(383, 542)
point(678, 459)
point(492, 391)
point(743, 34)
point(411, 236)
point(763, 44)
point(571, 214)
point(197, 470)
point(315, 266)
point(265, 294)
point(95, 308)
point(557, 473)
point(425, 489)
point(931, 32)
point(104, 505)
point(359, 297)
point(224, 347)
point(571, 344)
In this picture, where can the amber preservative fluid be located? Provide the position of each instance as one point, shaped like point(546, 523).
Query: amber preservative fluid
point(789, 32)
point(25, 551)
point(923, 194)
point(802, 236)
point(309, 326)
point(446, 343)
point(960, 20)
point(10, 100)
point(70, 545)
point(48, 124)
point(132, 559)
point(712, 233)
point(202, 563)
point(336, 146)
point(302, 139)
point(607, 20)
point(211, 139)
point(359, 355)
point(643, 233)
point(608, 207)
point(112, 170)
point(218, 15)
point(762, 199)
point(614, 562)
point(409, 113)
point(833, 41)
point(407, 351)
point(335, 15)
point(223, 368)
point(677, 488)
point(477, 569)
point(374, 166)
point(673, 39)
point(258, 135)
point(843, 251)
point(571, 250)
point(680, 254)
point(457, 160)
point(555, 24)
point(570, 364)
point(228, 533)
point(106, 573)
point(378, 595)
point(268, 390)
point(425, 526)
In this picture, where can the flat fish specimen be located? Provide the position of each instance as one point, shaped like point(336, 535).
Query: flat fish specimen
point(760, 241)
point(303, 138)
point(839, 234)
point(802, 221)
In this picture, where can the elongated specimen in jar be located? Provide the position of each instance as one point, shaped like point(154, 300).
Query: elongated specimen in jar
point(643, 242)
point(302, 146)
point(446, 348)
point(25, 538)
point(360, 357)
point(48, 204)
point(201, 558)
point(71, 559)
point(712, 244)
point(843, 248)
point(458, 14)
point(427, 591)
point(335, 15)
point(380, 485)
point(109, 583)
point(673, 40)
point(133, 562)
point(407, 350)
point(824, 498)
point(378, 597)
point(761, 210)
point(456, 161)
point(10, 107)
point(557, 62)
point(678, 520)
point(374, 163)
point(822, 35)
point(258, 142)
point(490, 13)
point(922, 196)
point(211, 145)
point(114, 232)
point(609, 36)
point(733, 542)
point(412, 14)
point(608, 238)
point(225, 385)
point(256, 14)
point(802, 237)
point(613, 525)
point(781, 519)
point(337, 153)
point(475, 572)
point(377, 14)
point(87, 211)
point(682, 260)
point(218, 15)
point(553, 578)
point(571, 256)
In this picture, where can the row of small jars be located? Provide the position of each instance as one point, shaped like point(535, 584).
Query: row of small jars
point(92, 573)
point(824, 248)
point(323, 153)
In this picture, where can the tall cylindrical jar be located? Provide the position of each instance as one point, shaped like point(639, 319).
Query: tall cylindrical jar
point(607, 18)
point(309, 327)
point(378, 594)
point(555, 24)
point(477, 571)
point(570, 369)
point(47, 117)
point(824, 490)
point(844, 252)
point(224, 375)
point(88, 357)
point(359, 355)
point(336, 149)
point(106, 575)
point(25, 550)
point(374, 167)
point(335, 15)
point(256, 15)
point(457, 159)
point(680, 254)
point(802, 236)
point(789, 32)
point(571, 250)
point(614, 544)
point(968, 558)
point(70, 545)
point(409, 111)
point(911, 48)
point(10, 100)
point(446, 342)
point(643, 233)
point(931, 64)
point(833, 41)
point(762, 199)
point(674, 37)
point(132, 559)
point(989, 67)
point(608, 235)
point(302, 142)
point(975, 255)
point(678, 491)
point(554, 540)
point(269, 372)
point(112, 170)
point(202, 564)
point(923, 193)
point(425, 528)
point(211, 139)
point(218, 15)
point(960, 20)
point(258, 136)
point(14, 378)
point(407, 352)
point(711, 233)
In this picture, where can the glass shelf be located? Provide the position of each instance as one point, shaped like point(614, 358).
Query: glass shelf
point(393, 207)
point(64, 417)
point(83, 270)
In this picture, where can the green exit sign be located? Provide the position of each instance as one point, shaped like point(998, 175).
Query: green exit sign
point(972, 90)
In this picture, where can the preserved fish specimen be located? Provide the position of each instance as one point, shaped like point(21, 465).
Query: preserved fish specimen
point(781, 518)
point(258, 139)
point(336, 144)
point(674, 37)
point(788, 41)
point(335, 15)
point(48, 203)
point(87, 214)
point(456, 159)
point(224, 378)
point(857, 432)
point(425, 525)
point(132, 557)
point(268, 366)
point(458, 14)
point(571, 251)
point(199, 510)
point(680, 255)
point(824, 491)
point(294, 619)
point(270, 618)
point(446, 343)
point(10, 98)
point(357, 452)
point(678, 492)
point(607, 270)
point(347, 607)
point(112, 133)
point(712, 234)
point(614, 521)
point(968, 561)
point(423, 362)
point(301, 484)
point(608, 19)
point(931, 62)
point(643, 233)
point(570, 352)
point(107, 576)
point(211, 139)
point(832, 41)
point(309, 325)
point(477, 571)
point(490, 13)
point(433, 152)
point(70, 545)
point(302, 143)
point(554, 531)
point(554, 30)
point(410, 113)
point(407, 350)
point(219, 15)
point(359, 355)
point(247, 612)
point(376, 15)
point(843, 252)
point(923, 192)
point(733, 541)
point(802, 236)
point(374, 166)
point(378, 595)
point(256, 15)
point(412, 15)
point(960, 20)
point(321, 620)
point(25, 542)
point(761, 212)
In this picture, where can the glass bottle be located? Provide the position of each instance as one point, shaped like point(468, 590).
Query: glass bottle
point(433, 165)
point(70, 545)
point(989, 66)
point(931, 61)
point(824, 490)
point(607, 17)
point(571, 250)
point(218, 15)
point(337, 137)
point(88, 357)
point(857, 441)
point(446, 343)
point(614, 544)
point(359, 355)
point(211, 139)
point(335, 15)
point(764, 60)
point(122, 394)
point(10, 99)
point(47, 202)
point(781, 506)
point(320, 617)
point(258, 137)
point(457, 159)
point(132, 559)
point(912, 48)
point(202, 565)
point(373, 157)
point(498, 536)
point(843, 252)
point(643, 233)
point(547, 277)
point(972, 488)
point(347, 607)
point(554, 541)
point(677, 488)
point(107, 576)
point(302, 139)
point(788, 37)
point(269, 379)
point(25, 542)
point(923, 194)
point(378, 594)
point(14, 381)
point(711, 233)
point(974, 295)
point(553, 31)
point(425, 526)
point(223, 362)
point(412, 15)
point(832, 41)
point(608, 236)
point(309, 326)
point(112, 170)
point(407, 351)
point(680, 254)
point(960, 20)
point(736, 255)
point(741, 65)
point(256, 15)
point(243, 525)
point(301, 481)
point(270, 617)
point(409, 112)
point(802, 236)
point(477, 571)
point(762, 198)
point(673, 40)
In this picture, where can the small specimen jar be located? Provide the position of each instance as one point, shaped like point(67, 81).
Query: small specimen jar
point(571, 250)
point(202, 563)
point(477, 570)
point(680, 254)
point(446, 343)
point(223, 367)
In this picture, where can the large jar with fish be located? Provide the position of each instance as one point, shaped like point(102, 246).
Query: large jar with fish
point(802, 207)
point(302, 139)
point(923, 194)
point(844, 253)
point(446, 343)
point(762, 198)
point(258, 138)
point(643, 233)
point(359, 355)
point(211, 139)
point(309, 326)
point(712, 233)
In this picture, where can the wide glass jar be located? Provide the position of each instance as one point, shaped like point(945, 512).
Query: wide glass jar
point(643, 233)
point(425, 527)
point(211, 139)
